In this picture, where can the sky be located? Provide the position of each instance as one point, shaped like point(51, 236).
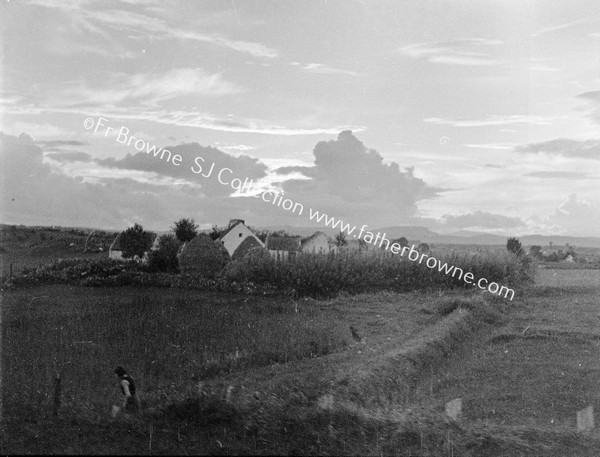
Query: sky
point(452, 115)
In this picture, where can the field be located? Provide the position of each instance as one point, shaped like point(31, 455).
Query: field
point(22, 246)
point(366, 374)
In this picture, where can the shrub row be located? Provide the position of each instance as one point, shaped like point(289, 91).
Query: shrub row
point(306, 275)
point(325, 275)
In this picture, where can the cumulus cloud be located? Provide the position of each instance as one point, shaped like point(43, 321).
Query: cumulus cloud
point(243, 166)
point(483, 220)
point(585, 149)
point(348, 179)
point(576, 217)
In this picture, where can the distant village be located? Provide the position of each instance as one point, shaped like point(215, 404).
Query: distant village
point(238, 239)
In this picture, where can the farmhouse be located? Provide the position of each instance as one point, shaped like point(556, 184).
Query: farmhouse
point(318, 243)
point(235, 235)
point(283, 247)
point(115, 251)
point(356, 246)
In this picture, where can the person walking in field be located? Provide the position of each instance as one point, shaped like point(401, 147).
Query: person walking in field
point(131, 403)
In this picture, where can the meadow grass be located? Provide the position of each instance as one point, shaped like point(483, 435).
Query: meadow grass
point(168, 340)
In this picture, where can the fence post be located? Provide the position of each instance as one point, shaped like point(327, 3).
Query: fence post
point(57, 393)
point(585, 419)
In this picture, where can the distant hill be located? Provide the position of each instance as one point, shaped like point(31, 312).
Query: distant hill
point(425, 235)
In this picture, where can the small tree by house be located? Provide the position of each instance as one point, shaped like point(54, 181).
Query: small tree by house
point(135, 242)
point(216, 232)
point(185, 230)
point(514, 245)
point(203, 257)
point(164, 257)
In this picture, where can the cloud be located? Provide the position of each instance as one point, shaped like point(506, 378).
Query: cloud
point(593, 97)
point(585, 149)
point(95, 21)
point(57, 143)
point(70, 156)
point(322, 69)
point(34, 193)
point(243, 166)
point(493, 120)
point(494, 146)
point(348, 179)
point(149, 89)
point(555, 28)
point(576, 217)
point(464, 52)
point(482, 220)
point(558, 174)
point(181, 118)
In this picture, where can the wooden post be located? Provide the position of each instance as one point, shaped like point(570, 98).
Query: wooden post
point(1, 367)
point(57, 393)
point(11, 265)
point(454, 409)
point(585, 419)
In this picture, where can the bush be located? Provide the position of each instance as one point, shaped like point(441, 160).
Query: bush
point(203, 257)
point(135, 242)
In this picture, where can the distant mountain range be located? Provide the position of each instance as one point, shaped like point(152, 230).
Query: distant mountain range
point(424, 235)
point(418, 234)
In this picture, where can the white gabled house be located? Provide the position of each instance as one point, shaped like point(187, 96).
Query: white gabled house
point(318, 243)
point(235, 235)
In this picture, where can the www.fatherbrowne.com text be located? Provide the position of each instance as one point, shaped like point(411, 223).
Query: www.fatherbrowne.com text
point(247, 188)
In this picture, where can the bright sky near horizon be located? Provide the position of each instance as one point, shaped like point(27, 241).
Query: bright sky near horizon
point(484, 115)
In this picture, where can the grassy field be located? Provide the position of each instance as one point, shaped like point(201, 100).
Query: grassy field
point(33, 246)
point(236, 374)
point(170, 340)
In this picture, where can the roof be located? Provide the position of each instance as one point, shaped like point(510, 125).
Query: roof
point(231, 228)
point(283, 243)
point(313, 236)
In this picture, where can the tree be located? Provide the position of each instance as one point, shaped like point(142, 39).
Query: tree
point(536, 251)
point(164, 257)
point(135, 242)
point(216, 232)
point(402, 241)
point(185, 230)
point(423, 247)
point(340, 240)
point(514, 245)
